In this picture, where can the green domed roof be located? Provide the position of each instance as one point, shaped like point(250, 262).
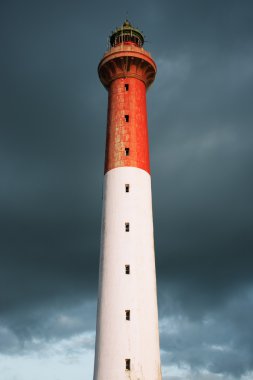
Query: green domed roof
point(126, 33)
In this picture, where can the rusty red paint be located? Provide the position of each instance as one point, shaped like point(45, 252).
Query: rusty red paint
point(126, 61)
point(137, 69)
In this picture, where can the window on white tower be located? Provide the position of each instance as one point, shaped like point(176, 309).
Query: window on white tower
point(127, 227)
point(127, 315)
point(127, 187)
point(127, 269)
point(128, 364)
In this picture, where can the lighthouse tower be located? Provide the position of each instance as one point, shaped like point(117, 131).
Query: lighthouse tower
point(127, 337)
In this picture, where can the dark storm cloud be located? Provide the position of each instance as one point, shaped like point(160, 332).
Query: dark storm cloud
point(222, 337)
point(53, 112)
point(49, 129)
point(43, 323)
point(207, 181)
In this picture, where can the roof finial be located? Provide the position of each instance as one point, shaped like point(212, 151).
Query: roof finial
point(127, 22)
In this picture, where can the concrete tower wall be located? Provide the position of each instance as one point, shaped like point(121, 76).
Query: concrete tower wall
point(127, 338)
point(132, 134)
point(119, 339)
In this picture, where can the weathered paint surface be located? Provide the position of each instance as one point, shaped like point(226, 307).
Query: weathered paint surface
point(117, 338)
point(127, 61)
point(122, 134)
point(131, 65)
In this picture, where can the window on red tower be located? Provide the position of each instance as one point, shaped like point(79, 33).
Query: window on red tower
point(127, 118)
point(127, 151)
point(126, 86)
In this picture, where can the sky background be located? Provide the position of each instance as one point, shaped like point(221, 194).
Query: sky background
point(52, 139)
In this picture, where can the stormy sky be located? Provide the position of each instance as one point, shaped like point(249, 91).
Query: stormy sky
point(52, 138)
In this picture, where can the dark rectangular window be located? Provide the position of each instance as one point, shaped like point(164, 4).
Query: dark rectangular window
point(127, 315)
point(127, 118)
point(128, 364)
point(127, 151)
point(127, 227)
point(127, 187)
point(126, 86)
point(127, 269)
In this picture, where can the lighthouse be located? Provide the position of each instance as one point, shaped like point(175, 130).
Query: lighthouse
point(127, 335)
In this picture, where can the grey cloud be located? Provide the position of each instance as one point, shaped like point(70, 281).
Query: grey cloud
point(9, 343)
point(32, 329)
point(219, 341)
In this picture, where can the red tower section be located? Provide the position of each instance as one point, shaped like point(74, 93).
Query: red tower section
point(127, 70)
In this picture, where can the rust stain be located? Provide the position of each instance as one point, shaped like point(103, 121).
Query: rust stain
point(133, 66)
point(122, 134)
